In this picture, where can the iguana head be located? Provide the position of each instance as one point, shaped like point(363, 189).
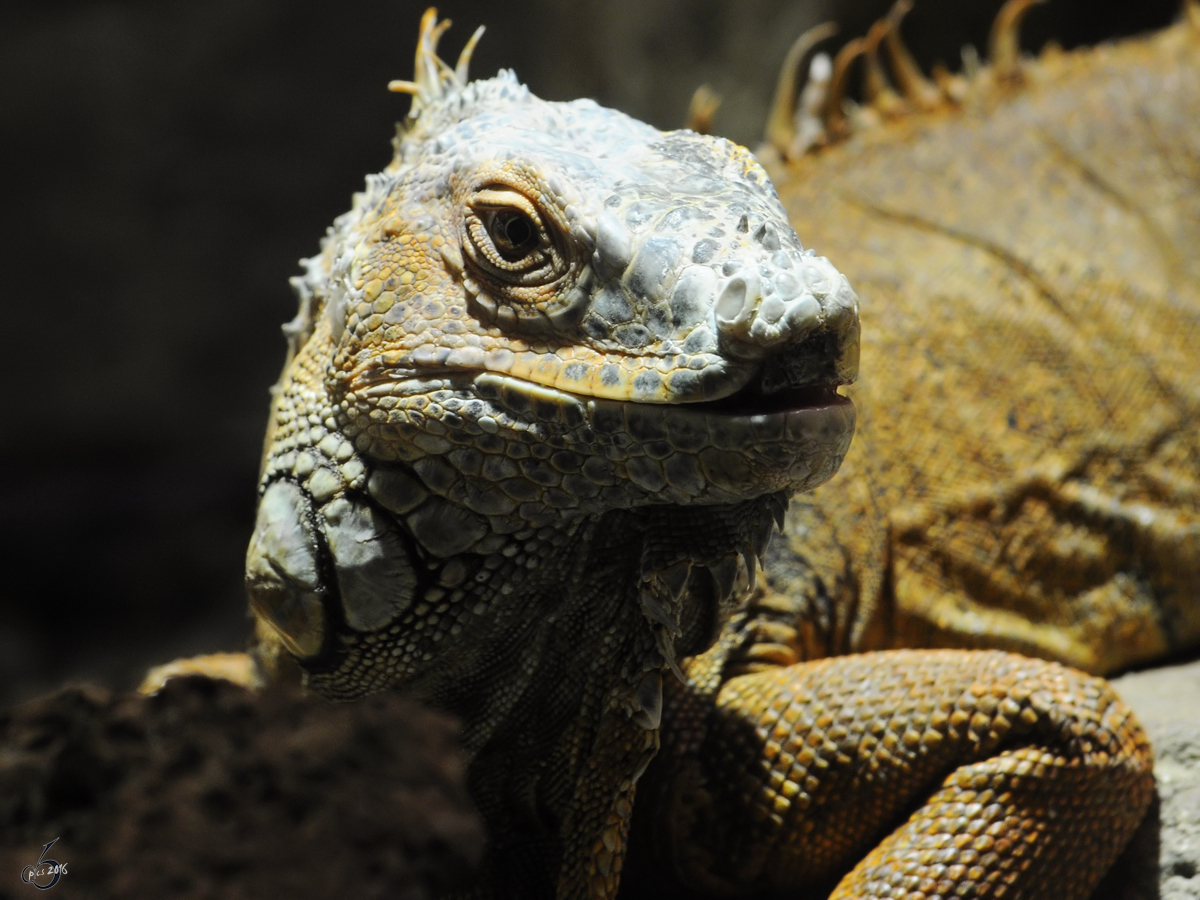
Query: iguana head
point(538, 313)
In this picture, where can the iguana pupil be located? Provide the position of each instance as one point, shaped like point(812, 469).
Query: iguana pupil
point(514, 234)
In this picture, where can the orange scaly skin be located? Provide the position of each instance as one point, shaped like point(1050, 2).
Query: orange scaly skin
point(1026, 469)
point(970, 774)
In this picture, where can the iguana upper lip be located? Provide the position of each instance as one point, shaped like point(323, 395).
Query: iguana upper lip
point(748, 400)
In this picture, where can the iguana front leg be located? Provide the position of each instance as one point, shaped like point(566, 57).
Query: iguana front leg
point(920, 773)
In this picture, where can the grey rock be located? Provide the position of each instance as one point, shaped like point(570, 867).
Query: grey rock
point(1163, 859)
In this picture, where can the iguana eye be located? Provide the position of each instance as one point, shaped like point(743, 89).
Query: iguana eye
point(508, 239)
point(519, 258)
point(513, 246)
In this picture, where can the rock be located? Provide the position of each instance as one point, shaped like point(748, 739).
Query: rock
point(1163, 859)
point(207, 791)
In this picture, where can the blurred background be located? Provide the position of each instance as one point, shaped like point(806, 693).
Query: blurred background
point(166, 165)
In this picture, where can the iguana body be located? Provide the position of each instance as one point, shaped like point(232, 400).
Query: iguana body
point(1026, 470)
point(552, 381)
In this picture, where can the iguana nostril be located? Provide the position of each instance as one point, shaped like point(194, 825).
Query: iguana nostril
point(731, 305)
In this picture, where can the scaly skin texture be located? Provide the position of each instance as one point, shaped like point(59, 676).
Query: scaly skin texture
point(1026, 471)
point(552, 381)
point(791, 775)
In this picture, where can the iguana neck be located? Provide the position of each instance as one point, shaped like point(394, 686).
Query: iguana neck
point(562, 681)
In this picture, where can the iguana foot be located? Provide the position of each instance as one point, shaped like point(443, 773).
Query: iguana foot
point(969, 773)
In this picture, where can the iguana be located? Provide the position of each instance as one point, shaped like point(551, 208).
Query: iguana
point(552, 381)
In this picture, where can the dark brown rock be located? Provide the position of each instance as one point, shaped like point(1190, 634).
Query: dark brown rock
point(205, 790)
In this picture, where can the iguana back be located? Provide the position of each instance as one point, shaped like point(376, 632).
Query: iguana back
point(1026, 471)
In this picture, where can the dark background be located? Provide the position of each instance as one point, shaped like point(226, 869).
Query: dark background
point(166, 162)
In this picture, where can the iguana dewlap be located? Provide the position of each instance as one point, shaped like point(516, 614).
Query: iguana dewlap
point(553, 379)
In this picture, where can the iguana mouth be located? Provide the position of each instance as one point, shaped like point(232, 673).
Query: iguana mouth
point(749, 401)
point(753, 401)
